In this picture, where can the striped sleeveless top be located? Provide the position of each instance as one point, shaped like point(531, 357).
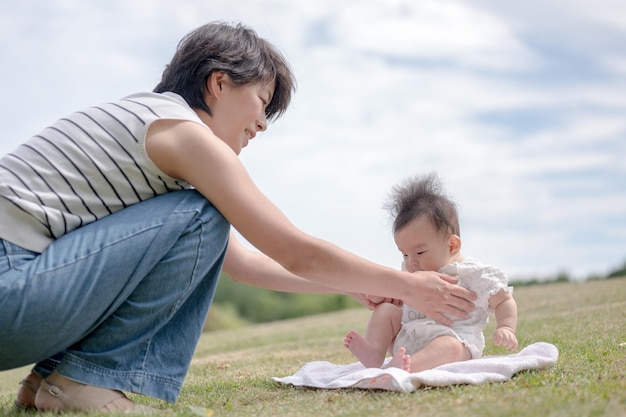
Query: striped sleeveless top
point(84, 167)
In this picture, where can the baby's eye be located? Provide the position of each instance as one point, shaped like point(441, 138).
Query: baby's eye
point(421, 253)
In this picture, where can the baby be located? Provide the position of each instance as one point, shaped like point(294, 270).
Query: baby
point(426, 231)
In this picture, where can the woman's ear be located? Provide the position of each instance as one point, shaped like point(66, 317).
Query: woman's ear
point(214, 83)
point(454, 242)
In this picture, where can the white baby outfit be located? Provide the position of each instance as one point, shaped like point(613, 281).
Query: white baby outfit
point(418, 330)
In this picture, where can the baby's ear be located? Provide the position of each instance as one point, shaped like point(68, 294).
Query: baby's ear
point(454, 242)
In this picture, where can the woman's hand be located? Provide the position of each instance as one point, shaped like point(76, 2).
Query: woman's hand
point(436, 295)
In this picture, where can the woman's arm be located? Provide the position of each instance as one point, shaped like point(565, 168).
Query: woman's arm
point(255, 268)
point(191, 152)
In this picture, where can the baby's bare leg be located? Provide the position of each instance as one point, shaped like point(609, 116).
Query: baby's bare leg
point(367, 353)
point(442, 350)
point(381, 331)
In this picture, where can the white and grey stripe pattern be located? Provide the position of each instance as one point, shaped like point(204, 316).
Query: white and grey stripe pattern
point(90, 164)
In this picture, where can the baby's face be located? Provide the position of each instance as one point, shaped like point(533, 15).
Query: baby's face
point(422, 247)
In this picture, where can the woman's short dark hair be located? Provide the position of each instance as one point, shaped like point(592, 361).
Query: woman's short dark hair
point(237, 51)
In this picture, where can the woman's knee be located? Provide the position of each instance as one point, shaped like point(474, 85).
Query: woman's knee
point(207, 214)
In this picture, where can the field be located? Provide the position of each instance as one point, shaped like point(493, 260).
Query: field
point(232, 370)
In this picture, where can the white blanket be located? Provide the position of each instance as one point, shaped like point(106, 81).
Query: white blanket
point(321, 374)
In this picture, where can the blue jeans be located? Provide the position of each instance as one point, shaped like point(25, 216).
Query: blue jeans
point(122, 300)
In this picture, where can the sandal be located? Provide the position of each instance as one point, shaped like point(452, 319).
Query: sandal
point(75, 396)
point(25, 399)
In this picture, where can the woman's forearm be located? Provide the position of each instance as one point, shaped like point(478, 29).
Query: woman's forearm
point(255, 268)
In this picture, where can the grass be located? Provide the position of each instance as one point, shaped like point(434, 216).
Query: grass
point(232, 370)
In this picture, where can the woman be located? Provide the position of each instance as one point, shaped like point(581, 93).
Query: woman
point(115, 224)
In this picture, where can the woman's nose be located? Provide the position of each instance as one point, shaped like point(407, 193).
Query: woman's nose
point(261, 124)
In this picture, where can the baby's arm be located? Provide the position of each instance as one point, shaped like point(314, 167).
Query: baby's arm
point(506, 319)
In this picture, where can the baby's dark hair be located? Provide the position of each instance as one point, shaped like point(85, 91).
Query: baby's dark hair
point(237, 51)
point(423, 196)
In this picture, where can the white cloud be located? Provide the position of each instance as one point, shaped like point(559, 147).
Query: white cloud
point(452, 32)
point(615, 64)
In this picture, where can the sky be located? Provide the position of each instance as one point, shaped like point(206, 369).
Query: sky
point(519, 107)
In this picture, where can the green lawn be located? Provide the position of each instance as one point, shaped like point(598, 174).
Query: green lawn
point(231, 373)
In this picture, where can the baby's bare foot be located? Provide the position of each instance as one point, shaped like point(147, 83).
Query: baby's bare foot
point(400, 360)
point(367, 353)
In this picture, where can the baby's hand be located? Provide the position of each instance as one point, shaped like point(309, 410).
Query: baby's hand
point(372, 301)
point(375, 299)
point(503, 336)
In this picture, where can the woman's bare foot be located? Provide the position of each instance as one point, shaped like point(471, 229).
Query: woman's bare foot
point(400, 360)
point(59, 394)
point(367, 353)
point(25, 397)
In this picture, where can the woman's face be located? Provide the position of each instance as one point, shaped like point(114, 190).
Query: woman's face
point(238, 112)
